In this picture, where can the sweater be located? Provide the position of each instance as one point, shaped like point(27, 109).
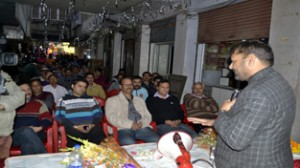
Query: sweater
point(96, 90)
point(33, 113)
point(47, 98)
point(164, 109)
point(72, 110)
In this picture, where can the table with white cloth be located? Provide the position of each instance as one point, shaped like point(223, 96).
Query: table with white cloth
point(142, 153)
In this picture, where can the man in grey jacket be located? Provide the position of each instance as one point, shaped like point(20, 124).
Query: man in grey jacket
point(254, 130)
point(9, 101)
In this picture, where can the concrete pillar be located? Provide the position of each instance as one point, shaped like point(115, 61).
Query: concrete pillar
point(285, 41)
point(185, 48)
point(117, 53)
point(100, 50)
point(142, 52)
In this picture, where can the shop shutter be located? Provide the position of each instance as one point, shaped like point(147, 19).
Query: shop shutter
point(245, 20)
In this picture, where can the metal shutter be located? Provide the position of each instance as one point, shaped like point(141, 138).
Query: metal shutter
point(245, 20)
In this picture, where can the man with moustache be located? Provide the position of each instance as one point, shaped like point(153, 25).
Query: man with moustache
point(130, 115)
point(138, 90)
point(31, 122)
point(39, 94)
point(255, 129)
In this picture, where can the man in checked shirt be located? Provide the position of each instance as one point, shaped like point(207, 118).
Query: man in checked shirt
point(254, 129)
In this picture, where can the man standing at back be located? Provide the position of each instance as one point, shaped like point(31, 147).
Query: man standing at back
point(254, 130)
point(9, 101)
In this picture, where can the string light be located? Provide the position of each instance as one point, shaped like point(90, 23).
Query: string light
point(149, 10)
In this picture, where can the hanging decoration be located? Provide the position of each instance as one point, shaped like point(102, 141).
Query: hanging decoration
point(145, 11)
point(68, 20)
point(44, 15)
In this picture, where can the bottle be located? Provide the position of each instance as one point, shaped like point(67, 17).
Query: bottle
point(76, 158)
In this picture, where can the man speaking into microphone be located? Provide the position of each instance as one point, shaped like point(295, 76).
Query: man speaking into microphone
point(254, 129)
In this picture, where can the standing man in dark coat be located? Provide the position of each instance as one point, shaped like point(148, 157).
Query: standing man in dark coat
point(254, 130)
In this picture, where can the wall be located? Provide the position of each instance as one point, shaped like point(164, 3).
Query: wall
point(185, 48)
point(142, 46)
point(23, 15)
point(285, 41)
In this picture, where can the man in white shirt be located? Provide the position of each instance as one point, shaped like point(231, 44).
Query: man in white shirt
point(57, 90)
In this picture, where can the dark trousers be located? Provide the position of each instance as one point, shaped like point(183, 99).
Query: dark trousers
point(96, 135)
point(29, 141)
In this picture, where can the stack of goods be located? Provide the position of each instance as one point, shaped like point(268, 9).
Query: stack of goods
point(109, 154)
point(207, 139)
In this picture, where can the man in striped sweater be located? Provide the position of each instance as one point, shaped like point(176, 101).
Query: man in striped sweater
point(30, 123)
point(80, 114)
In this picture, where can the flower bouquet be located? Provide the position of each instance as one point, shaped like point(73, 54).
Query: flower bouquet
point(108, 154)
point(295, 147)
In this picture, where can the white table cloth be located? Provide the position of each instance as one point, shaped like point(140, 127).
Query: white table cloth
point(143, 153)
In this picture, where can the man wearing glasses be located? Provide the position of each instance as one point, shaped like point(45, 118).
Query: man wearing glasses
point(130, 115)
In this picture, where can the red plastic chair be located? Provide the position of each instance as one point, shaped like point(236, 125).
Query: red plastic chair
point(61, 128)
point(63, 136)
point(15, 151)
point(185, 120)
point(296, 163)
point(112, 93)
point(100, 101)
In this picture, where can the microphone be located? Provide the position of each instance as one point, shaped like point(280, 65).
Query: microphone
point(234, 94)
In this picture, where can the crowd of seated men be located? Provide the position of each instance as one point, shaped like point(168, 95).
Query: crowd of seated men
point(67, 96)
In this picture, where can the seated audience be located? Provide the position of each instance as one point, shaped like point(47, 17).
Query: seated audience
point(130, 115)
point(115, 83)
point(153, 86)
point(138, 90)
point(199, 105)
point(166, 111)
point(43, 76)
point(67, 79)
point(80, 114)
point(146, 80)
point(100, 77)
point(57, 91)
point(30, 123)
point(39, 94)
point(94, 89)
point(155, 74)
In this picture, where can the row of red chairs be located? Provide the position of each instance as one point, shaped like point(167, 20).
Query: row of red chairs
point(53, 143)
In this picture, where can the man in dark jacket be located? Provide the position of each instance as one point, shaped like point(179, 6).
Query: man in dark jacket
point(166, 111)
